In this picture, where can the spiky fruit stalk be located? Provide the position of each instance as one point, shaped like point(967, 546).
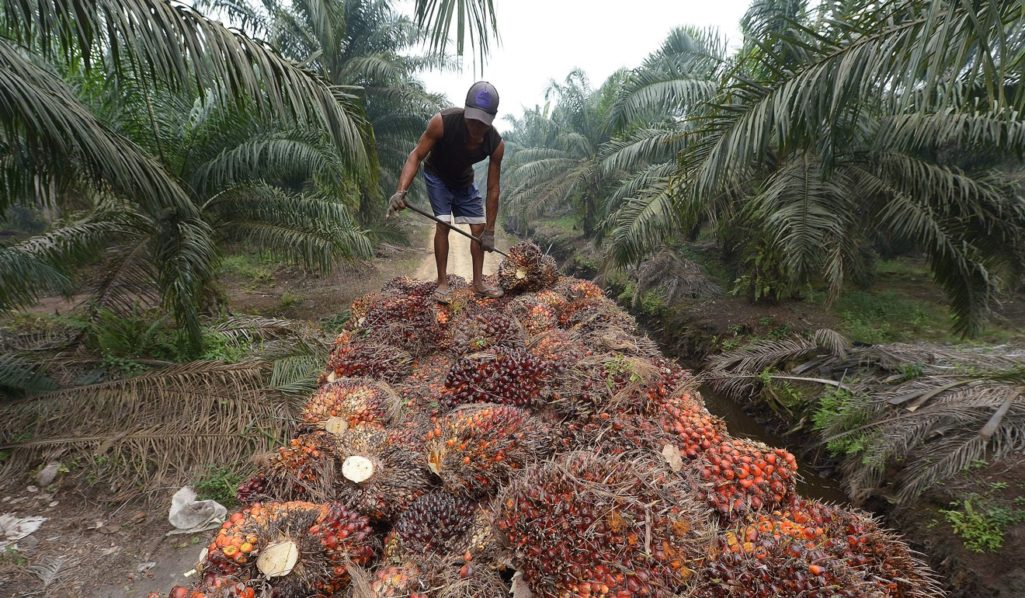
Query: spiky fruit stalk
point(616, 383)
point(593, 315)
point(484, 330)
point(300, 548)
point(527, 269)
point(740, 475)
point(502, 375)
point(591, 526)
point(361, 357)
point(476, 448)
point(355, 401)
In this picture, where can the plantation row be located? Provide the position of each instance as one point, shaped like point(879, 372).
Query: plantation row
point(536, 442)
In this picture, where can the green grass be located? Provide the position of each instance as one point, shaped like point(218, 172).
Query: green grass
point(903, 269)
point(253, 269)
point(220, 484)
point(887, 316)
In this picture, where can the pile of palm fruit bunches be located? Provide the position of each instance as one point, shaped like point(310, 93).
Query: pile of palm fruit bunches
point(537, 442)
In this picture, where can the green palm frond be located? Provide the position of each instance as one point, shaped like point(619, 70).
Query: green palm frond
point(268, 157)
point(22, 376)
point(44, 262)
point(474, 20)
point(640, 224)
point(180, 47)
point(642, 148)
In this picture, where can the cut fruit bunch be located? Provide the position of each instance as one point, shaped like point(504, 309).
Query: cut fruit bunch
point(532, 443)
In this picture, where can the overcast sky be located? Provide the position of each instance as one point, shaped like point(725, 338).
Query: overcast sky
point(545, 39)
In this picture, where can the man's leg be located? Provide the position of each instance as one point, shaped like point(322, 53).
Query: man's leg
point(477, 253)
point(441, 255)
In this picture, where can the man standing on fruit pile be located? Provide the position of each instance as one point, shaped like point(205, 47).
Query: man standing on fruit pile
point(455, 140)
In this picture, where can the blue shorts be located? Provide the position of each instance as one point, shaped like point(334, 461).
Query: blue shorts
point(458, 205)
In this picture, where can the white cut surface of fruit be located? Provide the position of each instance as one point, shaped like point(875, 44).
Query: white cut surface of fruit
point(521, 273)
point(357, 469)
point(278, 559)
point(332, 377)
point(336, 425)
point(673, 457)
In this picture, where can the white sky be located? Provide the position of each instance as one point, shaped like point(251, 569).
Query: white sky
point(543, 40)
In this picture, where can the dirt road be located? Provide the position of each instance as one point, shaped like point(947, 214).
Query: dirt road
point(459, 260)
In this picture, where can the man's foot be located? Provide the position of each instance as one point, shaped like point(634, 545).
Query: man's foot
point(441, 294)
point(489, 292)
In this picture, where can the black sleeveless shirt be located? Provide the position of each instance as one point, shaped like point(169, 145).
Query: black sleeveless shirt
point(450, 160)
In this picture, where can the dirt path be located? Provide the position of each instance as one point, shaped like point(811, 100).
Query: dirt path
point(459, 261)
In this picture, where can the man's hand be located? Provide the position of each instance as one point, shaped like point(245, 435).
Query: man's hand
point(487, 240)
point(396, 203)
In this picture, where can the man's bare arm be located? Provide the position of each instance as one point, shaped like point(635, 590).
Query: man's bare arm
point(434, 132)
point(494, 186)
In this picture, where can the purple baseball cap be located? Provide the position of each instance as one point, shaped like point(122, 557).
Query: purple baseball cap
point(481, 102)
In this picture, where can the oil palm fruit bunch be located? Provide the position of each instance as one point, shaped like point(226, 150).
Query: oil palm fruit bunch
point(359, 308)
point(301, 470)
point(398, 581)
point(527, 269)
point(586, 525)
point(475, 449)
point(572, 289)
point(533, 314)
point(613, 339)
point(213, 586)
point(413, 322)
point(501, 375)
point(617, 383)
point(595, 314)
point(689, 426)
point(436, 522)
point(352, 402)
point(404, 285)
point(421, 390)
point(739, 475)
point(482, 330)
point(363, 357)
point(772, 566)
point(299, 548)
point(557, 349)
point(855, 538)
point(378, 478)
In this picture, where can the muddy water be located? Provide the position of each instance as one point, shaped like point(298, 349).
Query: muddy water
point(743, 425)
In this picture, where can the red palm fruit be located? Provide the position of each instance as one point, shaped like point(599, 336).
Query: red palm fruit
point(356, 357)
point(320, 538)
point(482, 330)
point(773, 566)
point(354, 401)
point(477, 448)
point(572, 289)
point(437, 522)
point(558, 349)
point(413, 323)
point(595, 314)
point(527, 269)
point(502, 375)
point(610, 526)
point(740, 475)
point(616, 383)
point(688, 425)
point(533, 313)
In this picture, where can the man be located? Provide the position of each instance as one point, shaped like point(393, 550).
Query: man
point(455, 140)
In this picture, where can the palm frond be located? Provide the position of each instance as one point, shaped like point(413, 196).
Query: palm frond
point(475, 22)
point(158, 429)
point(22, 376)
point(180, 47)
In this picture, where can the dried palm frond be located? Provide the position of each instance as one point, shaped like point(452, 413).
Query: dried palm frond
point(154, 429)
point(929, 410)
point(676, 276)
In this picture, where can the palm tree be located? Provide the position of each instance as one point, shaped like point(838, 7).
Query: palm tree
point(51, 140)
point(560, 171)
point(825, 130)
point(650, 118)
